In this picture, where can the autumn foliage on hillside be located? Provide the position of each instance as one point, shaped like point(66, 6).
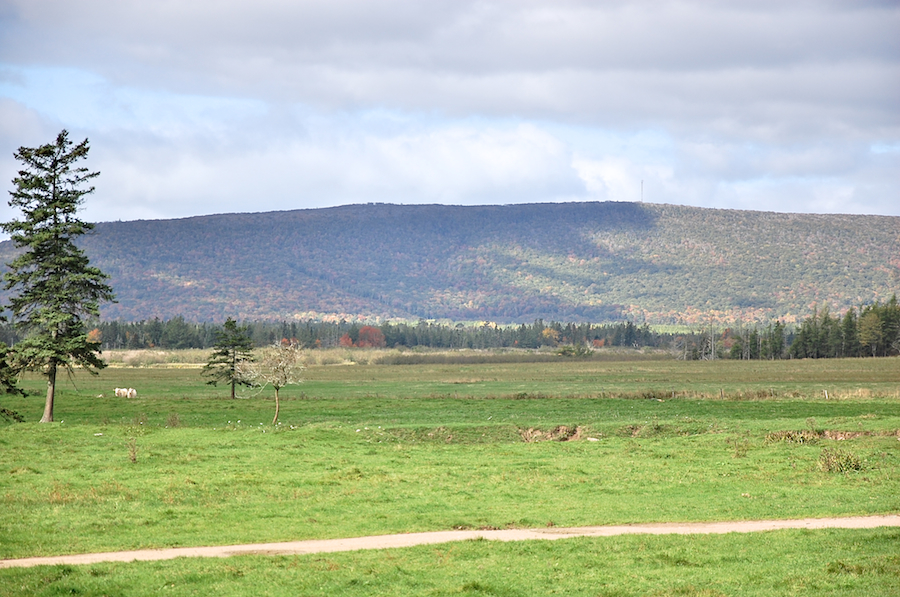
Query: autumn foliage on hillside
point(510, 264)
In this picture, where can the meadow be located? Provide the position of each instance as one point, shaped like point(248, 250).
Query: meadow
point(365, 448)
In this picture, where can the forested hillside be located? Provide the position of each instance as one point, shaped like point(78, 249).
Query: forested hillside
point(565, 262)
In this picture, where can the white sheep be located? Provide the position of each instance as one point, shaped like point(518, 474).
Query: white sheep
point(121, 392)
point(132, 393)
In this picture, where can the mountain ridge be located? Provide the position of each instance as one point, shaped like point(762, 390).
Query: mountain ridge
point(507, 263)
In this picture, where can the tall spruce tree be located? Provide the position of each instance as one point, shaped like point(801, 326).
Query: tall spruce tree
point(233, 345)
point(55, 289)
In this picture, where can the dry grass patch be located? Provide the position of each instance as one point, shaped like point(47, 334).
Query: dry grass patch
point(561, 433)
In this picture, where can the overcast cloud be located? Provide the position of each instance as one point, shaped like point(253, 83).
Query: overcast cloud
point(215, 106)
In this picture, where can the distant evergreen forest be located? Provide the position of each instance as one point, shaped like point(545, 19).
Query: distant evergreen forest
point(874, 330)
point(177, 333)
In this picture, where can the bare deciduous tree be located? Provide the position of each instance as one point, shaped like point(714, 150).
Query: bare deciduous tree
point(277, 366)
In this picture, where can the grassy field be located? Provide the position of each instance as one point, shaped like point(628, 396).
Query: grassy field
point(373, 449)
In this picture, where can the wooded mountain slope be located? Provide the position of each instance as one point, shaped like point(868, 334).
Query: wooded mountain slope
point(515, 263)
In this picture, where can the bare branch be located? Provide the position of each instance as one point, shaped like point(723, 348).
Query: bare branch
point(277, 366)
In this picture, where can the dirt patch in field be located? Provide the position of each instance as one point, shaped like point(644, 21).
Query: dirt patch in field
point(842, 435)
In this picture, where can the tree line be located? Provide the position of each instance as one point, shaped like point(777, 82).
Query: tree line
point(178, 333)
point(873, 330)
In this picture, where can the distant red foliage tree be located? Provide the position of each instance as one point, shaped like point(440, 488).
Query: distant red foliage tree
point(370, 337)
point(346, 341)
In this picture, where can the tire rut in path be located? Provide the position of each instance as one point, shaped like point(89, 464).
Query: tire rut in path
point(412, 539)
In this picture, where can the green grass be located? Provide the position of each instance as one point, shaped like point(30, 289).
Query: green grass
point(429, 394)
point(815, 563)
point(372, 449)
point(67, 490)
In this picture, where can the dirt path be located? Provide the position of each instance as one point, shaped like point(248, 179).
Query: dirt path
point(406, 540)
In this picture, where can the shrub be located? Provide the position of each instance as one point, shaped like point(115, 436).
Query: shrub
point(580, 351)
point(838, 461)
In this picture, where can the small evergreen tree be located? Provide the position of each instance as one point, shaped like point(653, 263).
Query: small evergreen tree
point(233, 345)
point(870, 332)
point(890, 322)
point(55, 289)
point(850, 334)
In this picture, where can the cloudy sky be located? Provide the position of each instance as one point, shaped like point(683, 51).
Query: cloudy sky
point(212, 106)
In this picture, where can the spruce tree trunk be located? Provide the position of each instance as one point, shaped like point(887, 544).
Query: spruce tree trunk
point(51, 393)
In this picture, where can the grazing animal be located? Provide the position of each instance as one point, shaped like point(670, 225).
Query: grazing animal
point(132, 393)
point(121, 392)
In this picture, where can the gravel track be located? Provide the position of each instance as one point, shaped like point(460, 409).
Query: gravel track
point(410, 539)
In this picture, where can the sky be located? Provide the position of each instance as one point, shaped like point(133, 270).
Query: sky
point(223, 106)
